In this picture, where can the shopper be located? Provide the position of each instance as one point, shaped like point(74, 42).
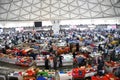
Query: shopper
point(55, 62)
point(71, 46)
point(50, 48)
point(60, 60)
point(77, 46)
point(100, 71)
point(105, 53)
point(99, 47)
point(46, 63)
point(51, 58)
point(74, 54)
point(3, 50)
point(112, 56)
point(33, 55)
point(80, 61)
point(100, 66)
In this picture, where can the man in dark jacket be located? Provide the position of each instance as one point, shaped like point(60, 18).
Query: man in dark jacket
point(60, 60)
point(100, 66)
point(100, 69)
point(55, 62)
point(46, 63)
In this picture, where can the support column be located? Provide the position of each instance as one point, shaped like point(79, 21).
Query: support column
point(56, 26)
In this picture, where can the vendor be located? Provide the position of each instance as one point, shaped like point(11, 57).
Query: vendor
point(3, 50)
point(60, 60)
point(80, 60)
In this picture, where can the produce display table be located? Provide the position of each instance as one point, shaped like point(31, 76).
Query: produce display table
point(111, 66)
point(7, 58)
point(67, 59)
point(61, 50)
point(47, 74)
point(108, 76)
point(101, 42)
point(26, 50)
point(40, 61)
point(61, 44)
point(93, 55)
point(82, 72)
point(114, 42)
point(29, 78)
point(29, 74)
point(86, 48)
point(16, 76)
point(65, 75)
point(111, 76)
point(44, 52)
point(8, 51)
point(17, 60)
point(24, 61)
point(12, 60)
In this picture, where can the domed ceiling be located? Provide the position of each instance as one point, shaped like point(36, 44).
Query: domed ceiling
point(38, 10)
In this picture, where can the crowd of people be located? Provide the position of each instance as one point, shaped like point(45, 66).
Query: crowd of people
point(105, 42)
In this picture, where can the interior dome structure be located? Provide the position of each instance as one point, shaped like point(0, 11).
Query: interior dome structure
point(59, 39)
point(36, 10)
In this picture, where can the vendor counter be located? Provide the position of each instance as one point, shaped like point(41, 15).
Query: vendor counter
point(67, 59)
point(8, 59)
point(40, 60)
point(65, 74)
point(93, 55)
point(111, 66)
point(83, 72)
point(108, 76)
point(26, 61)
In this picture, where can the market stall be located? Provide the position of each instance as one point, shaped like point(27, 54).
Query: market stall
point(8, 58)
point(29, 74)
point(67, 59)
point(108, 76)
point(95, 55)
point(48, 74)
point(111, 66)
point(40, 60)
point(83, 72)
point(65, 74)
point(24, 61)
